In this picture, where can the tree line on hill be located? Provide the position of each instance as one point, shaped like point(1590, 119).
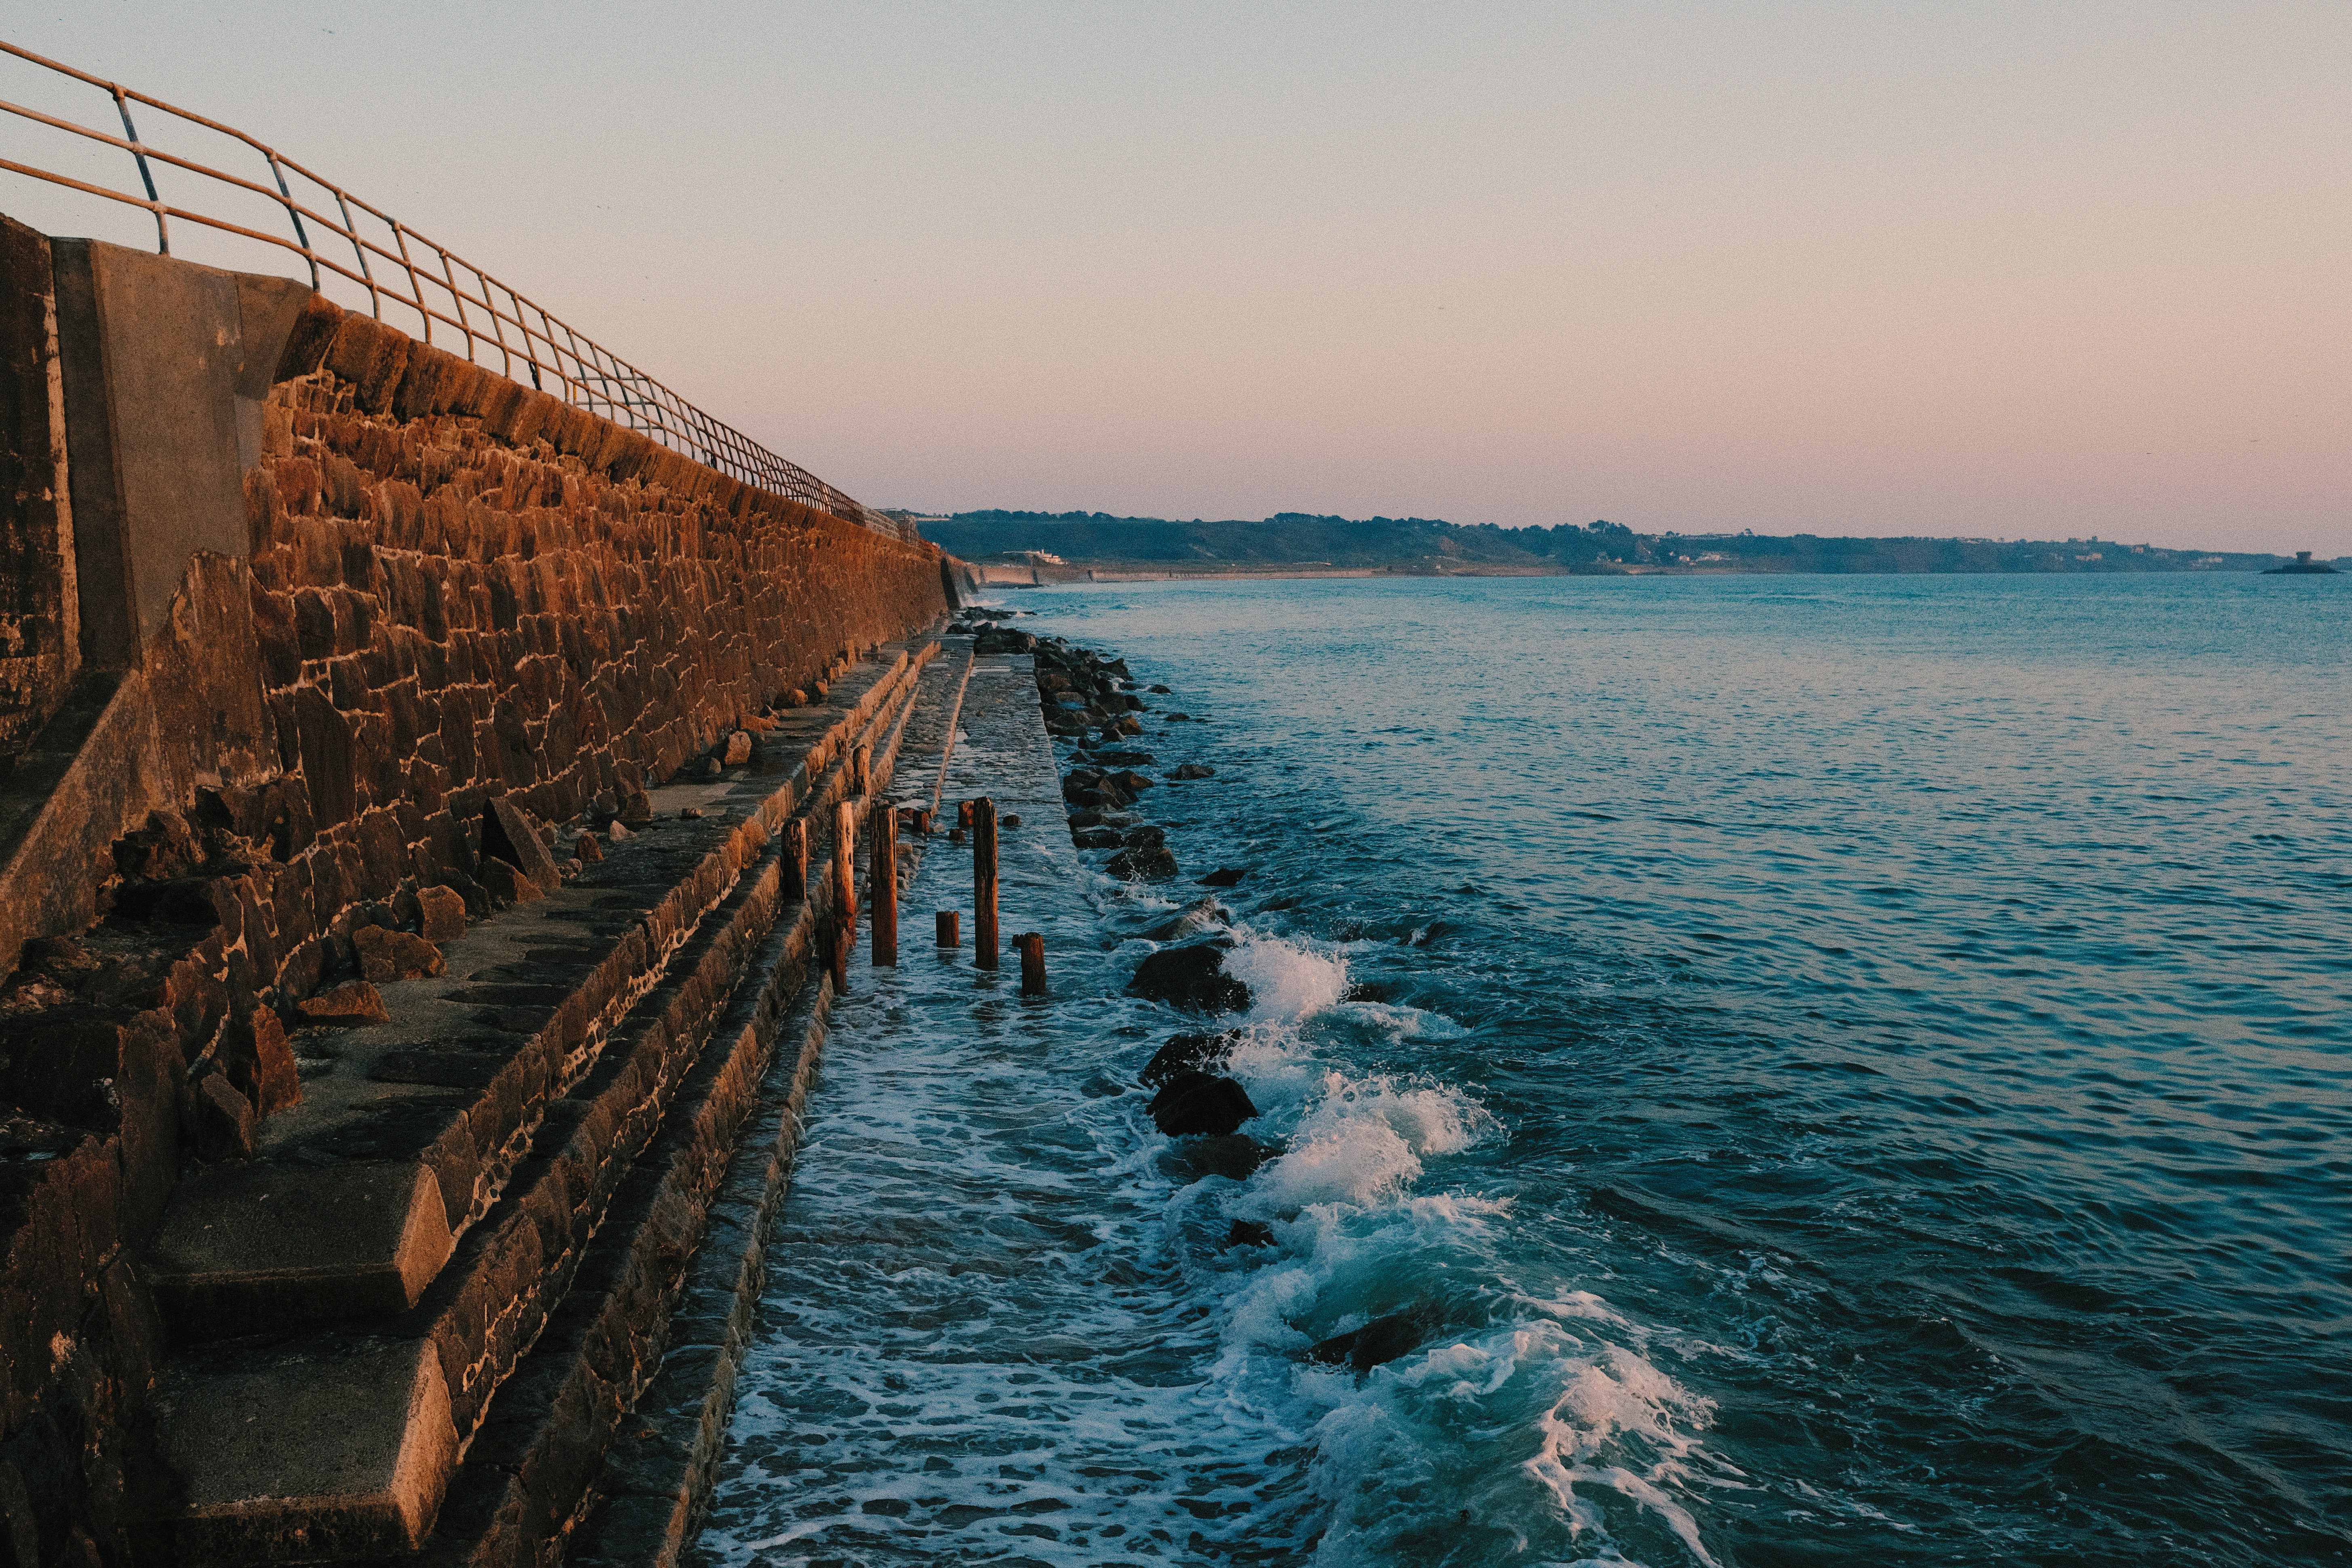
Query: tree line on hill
point(1419, 543)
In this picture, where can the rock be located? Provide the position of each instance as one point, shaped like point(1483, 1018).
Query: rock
point(1194, 1103)
point(616, 834)
point(1191, 921)
point(1151, 863)
point(1236, 1157)
point(444, 914)
point(507, 886)
point(277, 1082)
point(739, 749)
point(351, 1005)
point(1145, 836)
point(1159, 691)
point(955, 835)
point(606, 807)
point(1177, 719)
point(1249, 1233)
point(586, 850)
point(1186, 1053)
point(690, 814)
point(1225, 876)
point(1008, 820)
point(394, 955)
point(1086, 817)
point(709, 768)
point(636, 807)
point(507, 835)
point(1193, 770)
point(1382, 1340)
point(224, 1121)
point(1096, 838)
point(1370, 991)
point(1192, 977)
point(1132, 782)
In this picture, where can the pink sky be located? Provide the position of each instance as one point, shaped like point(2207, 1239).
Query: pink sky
point(1888, 268)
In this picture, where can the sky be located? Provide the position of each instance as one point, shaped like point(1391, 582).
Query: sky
point(2042, 269)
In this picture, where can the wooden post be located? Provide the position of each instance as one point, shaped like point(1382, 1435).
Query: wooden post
point(946, 920)
point(837, 940)
point(1033, 962)
point(861, 771)
point(796, 858)
point(882, 882)
point(845, 866)
point(984, 881)
point(964, 813)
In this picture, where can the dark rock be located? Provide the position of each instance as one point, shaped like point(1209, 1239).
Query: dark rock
point(1096, 838)
point(1193, 771)
point(1151, 863)
point(1145, 836)
point(1192, 977)
point(1192, 1103)
point(587, 849)
point(1123, 759)
point(1186, 1053)
point(1370, 991)
point(1382, 1340)
point(1191, 921)
point(444, 914)
point(507, 886)
point(1159, 691)
point(1177, 719)
point(507, 835)
point(1249, 1232)
point(1086, 817)
point(1225, 876)
point(1235, 1156)
point(1008, 821)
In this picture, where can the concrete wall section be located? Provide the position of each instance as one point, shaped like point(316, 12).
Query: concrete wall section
point(40, 629)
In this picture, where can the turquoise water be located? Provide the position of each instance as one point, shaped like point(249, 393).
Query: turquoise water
point(1856, 1070)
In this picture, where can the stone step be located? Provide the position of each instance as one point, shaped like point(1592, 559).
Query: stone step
point(266, 1491)
point(451, 1088)
point(531, 1474)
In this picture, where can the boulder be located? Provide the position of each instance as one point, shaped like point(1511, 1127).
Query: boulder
point(739, 749)
point(444, 912)
point(352, 1005)
point(1191, 921)
point(1186, 1053)
point(1192, 977)
point(395, 954)
point(508, 836)
point(1159, 691)
point(1149, 863)
point(1096, 838)
point(1236, 1157)
point(1382, 1340)
point(1193, 1104)
point(1193, 771)
point(587, 849)
point(224, 1121)
point(1225, 876)
point(507, 886)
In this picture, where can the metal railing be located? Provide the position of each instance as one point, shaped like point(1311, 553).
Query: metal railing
point(394, 264)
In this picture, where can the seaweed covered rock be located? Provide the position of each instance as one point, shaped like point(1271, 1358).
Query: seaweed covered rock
point(1192, 977)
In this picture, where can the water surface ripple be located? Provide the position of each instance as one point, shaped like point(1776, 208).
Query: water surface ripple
point(1859, 1069)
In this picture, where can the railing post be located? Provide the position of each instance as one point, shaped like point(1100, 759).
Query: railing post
point(882, 883)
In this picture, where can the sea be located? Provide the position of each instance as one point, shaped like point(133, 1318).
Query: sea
point(1839, 1071)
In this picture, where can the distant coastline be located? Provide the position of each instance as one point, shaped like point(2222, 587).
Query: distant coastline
point(1049, 547)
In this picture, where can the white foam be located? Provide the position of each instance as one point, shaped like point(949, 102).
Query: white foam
point(1288, 981)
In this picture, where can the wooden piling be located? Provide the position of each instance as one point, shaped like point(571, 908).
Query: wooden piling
point(861, 771)
point(1033, 962)
point(882, 882)
point(796, 858)
point(963, 815)
point(837, 940)
point(845, 866)
point(984, 881)
point(945, 922)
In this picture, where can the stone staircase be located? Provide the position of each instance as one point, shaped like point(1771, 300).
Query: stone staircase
point(409, 1328)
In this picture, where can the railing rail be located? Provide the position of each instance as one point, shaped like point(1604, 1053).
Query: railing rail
point(448, 294)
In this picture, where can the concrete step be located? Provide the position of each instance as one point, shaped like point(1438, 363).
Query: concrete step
point(563, 1131)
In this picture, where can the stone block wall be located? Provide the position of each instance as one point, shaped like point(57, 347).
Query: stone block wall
point(454, 588)
point(39, 621)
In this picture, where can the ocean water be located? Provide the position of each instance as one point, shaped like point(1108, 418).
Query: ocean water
point(1851, 1070)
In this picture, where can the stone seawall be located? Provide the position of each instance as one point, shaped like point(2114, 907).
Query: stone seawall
point(274, 740)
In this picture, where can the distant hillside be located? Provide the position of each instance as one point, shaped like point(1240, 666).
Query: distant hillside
point(1425, 544)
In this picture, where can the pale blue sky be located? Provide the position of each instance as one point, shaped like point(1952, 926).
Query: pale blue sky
point(1995, 270)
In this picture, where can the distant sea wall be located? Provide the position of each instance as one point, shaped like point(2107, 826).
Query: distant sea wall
point(288, 601)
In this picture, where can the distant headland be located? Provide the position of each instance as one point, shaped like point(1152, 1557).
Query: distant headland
point(1062, 546)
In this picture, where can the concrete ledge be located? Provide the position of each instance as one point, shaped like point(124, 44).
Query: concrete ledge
point(277, 1469)
point(245, 1246)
